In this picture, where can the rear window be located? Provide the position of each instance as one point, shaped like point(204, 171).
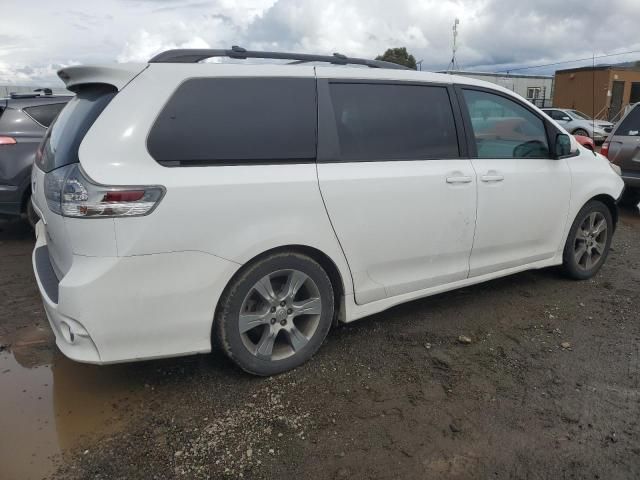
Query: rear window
point(393, 122)
point(630, 125)
point(44, 114)
point(228, 121)
point(61, 143)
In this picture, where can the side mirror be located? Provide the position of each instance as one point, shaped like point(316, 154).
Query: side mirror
point(566, 119)
point(563, 145)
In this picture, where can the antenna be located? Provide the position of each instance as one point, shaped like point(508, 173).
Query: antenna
point(453, 64)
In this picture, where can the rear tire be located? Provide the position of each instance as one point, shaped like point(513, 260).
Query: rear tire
point(630, 197)
point(588, 242)
point(275, 313)
point(581, 131)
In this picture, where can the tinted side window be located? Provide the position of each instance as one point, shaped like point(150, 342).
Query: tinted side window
point(62, 141)
point(556, 114)
point(237, 120)
point(393, 122)
point(504, 129)
point(630, 126)
point(44, 114)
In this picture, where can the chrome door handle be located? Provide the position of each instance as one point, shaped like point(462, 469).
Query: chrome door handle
point(460, 179)
point(492, 178)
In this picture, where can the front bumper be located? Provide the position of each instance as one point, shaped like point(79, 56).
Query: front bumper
point(117, 309)
point(631, 179)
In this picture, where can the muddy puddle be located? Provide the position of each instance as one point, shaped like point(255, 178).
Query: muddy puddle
point(50, 404)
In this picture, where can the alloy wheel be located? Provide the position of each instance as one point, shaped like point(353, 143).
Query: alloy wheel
point(590, 241)
point(280, 314)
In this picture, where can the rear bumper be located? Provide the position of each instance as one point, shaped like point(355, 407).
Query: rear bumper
point(10, 200)
point(116, 309)
point(631, 179)
point(72, 338)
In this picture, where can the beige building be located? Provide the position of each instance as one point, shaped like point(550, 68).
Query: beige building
point(535, 88)
point(602, 91)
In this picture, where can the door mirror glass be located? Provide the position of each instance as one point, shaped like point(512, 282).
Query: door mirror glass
point(563, 145)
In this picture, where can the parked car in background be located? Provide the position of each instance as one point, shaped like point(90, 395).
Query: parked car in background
point(251, 207)
point(24, 119)
point(622, 148)
point(578, 123)
point(586, 142)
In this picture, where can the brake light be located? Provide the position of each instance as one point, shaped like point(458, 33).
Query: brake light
point(7, 141)
point(70, 193)
point(604, 150)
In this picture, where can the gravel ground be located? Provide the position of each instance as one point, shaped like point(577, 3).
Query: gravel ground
point(546, 384)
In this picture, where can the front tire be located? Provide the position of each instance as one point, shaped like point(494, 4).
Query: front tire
point(275, 314)
point(581, 131)
point(588, 242)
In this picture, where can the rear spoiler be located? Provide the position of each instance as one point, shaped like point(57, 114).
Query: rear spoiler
point(118, 74)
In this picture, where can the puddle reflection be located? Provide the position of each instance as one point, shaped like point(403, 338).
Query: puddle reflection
point(50, 404)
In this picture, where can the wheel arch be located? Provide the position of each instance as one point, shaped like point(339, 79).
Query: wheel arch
point(25, 198)
point(325, 261)
point(610, 203)
point(582, 129)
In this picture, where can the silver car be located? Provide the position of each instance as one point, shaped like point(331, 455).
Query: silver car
point(578, 123)
point(622, 148)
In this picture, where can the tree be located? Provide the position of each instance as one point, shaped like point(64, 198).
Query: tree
point(399, 56)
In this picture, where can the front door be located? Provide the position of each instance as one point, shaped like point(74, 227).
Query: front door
point(523, 194)
point(400, 197)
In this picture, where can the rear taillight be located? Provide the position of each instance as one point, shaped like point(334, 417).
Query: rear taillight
point(604, 150)
point(7, 141)
point(70, 193)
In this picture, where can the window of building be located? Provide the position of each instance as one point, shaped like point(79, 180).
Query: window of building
point(533, 93)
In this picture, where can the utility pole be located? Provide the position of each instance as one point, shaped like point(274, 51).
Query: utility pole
point(453, 64)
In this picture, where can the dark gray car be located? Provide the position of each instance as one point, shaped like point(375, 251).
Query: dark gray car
point(24, 120)
point(622, 148)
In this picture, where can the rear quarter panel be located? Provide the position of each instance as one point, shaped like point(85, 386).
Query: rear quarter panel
point(233, 212)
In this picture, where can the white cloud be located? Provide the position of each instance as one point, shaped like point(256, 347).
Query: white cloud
point(494, 34)
point(145, 45)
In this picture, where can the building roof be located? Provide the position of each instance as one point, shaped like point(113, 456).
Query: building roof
point(493, 74)
point(598, 68)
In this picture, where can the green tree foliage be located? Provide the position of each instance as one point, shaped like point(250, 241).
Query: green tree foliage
point(399, 56)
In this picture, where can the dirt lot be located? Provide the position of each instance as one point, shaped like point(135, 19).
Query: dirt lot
point(395, 395)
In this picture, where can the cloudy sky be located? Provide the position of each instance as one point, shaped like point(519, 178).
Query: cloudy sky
point(39, 36)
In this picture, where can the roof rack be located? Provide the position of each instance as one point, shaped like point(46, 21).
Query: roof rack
point(38, 92)
point(196, 55)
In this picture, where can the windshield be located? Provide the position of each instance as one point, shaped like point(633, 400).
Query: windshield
point(62, 140)
point(579, 115)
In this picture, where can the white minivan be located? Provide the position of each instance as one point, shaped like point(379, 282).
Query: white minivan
point(250, 206)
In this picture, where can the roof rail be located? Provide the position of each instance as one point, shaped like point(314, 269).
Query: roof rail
point(38, 92)
point(195, 55)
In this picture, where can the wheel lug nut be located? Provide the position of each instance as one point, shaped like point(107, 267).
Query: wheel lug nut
point(273, 309)
point(283, 303)
point(273, 321)
point(289, 311)
point(283, 322)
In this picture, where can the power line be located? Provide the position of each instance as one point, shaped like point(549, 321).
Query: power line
point(566, 61)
